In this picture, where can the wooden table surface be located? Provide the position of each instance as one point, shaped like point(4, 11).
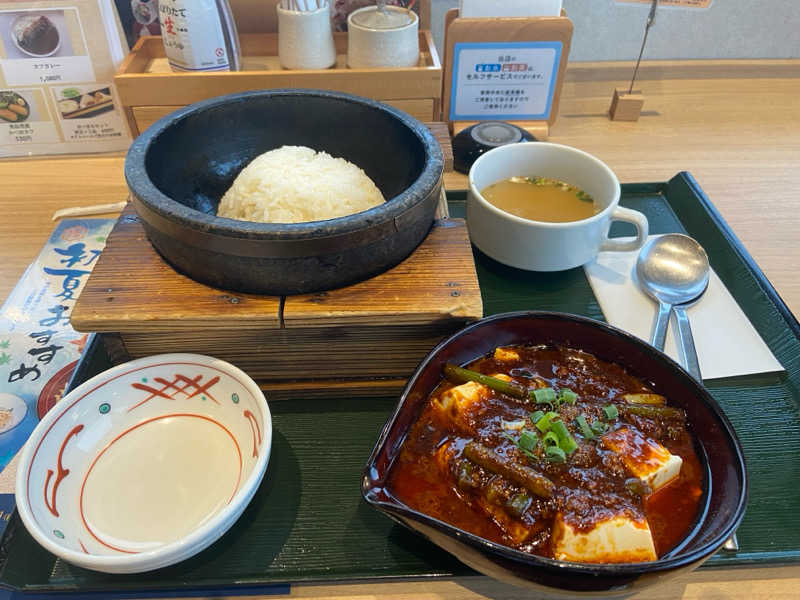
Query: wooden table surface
point(735, 125)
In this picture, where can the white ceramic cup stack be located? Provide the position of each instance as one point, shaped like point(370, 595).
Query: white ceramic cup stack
point(305, 39)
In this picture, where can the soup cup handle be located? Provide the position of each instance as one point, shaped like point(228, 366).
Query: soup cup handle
point(636, 219)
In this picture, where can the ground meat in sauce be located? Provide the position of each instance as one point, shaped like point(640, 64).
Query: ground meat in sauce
point(613, 465)
point(433, 476)
point(585, 456)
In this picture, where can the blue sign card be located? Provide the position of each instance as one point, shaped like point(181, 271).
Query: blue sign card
point(504, 80)
point(38, 348)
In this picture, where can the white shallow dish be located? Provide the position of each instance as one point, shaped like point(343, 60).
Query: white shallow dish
point(145, 464)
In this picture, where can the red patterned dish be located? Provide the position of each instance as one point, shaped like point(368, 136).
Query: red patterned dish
point(145, 464)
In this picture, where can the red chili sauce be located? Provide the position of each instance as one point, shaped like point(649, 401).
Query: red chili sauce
point(434, 475)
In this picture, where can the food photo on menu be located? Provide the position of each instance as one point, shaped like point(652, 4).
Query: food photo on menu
point(35, 34)
point(14, 108)
point(73, 103)
point(57, 62)
point(25, 117)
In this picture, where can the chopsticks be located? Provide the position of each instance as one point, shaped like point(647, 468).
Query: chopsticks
point(82, 211)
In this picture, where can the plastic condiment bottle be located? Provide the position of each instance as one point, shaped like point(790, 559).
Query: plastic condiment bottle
point(199, 35)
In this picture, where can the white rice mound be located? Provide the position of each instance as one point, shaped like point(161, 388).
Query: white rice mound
point(295, 184)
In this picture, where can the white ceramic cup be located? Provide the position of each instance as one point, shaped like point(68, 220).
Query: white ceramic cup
point(305, 39)
point(370, 45)
point(539, 245)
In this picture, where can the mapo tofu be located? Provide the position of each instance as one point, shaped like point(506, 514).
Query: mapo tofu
point(553, 452)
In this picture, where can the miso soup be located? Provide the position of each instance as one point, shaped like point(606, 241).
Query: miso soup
point(541, 199)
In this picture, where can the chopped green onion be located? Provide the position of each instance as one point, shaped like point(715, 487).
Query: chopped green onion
point(518, 443)
point(535, 416)
point(544, 395)
point(586, 431)
point(528, 440)
point(565, 440)
point(513, 425)
point(599, 427)
point(560, 429)
point(567, 395)
point(610, 412)
point(544, 424)
point(555, 454)
point(550, 439)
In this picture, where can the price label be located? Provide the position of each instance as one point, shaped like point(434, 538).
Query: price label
point(42, 132)
point(34, 71)
point(504, 80)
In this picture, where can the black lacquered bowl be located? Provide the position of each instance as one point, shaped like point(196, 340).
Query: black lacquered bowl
point(717, 448)
point(180, 167)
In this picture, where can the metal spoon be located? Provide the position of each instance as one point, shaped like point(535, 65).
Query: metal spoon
point(673, 269)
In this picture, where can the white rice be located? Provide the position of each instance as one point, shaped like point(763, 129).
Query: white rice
point(295, 184)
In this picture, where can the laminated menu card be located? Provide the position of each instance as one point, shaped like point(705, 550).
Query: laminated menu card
point(57, 62)
point(38, 347)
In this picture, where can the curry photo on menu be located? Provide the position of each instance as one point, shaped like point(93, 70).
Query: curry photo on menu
point(28, 34)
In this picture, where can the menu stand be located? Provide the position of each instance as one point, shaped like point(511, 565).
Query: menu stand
point(537, 39)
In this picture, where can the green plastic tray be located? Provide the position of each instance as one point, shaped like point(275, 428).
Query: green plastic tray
point(308, 523)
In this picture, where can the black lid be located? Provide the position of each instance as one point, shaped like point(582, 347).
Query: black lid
point(477, 139)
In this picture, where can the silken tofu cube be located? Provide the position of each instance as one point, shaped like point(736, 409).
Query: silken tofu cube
point(619, 539)
point(645, 458)
point(457, 399)
point(461, 397)
point(458, 402)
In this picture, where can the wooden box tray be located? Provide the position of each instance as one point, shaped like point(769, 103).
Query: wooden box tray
point(308, 523)
point(148, 89)
point(334, 342)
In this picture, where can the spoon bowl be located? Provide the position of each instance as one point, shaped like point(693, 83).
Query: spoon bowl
point(672, 269)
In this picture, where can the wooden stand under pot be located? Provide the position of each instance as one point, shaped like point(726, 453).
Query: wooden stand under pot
point(360, 340)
